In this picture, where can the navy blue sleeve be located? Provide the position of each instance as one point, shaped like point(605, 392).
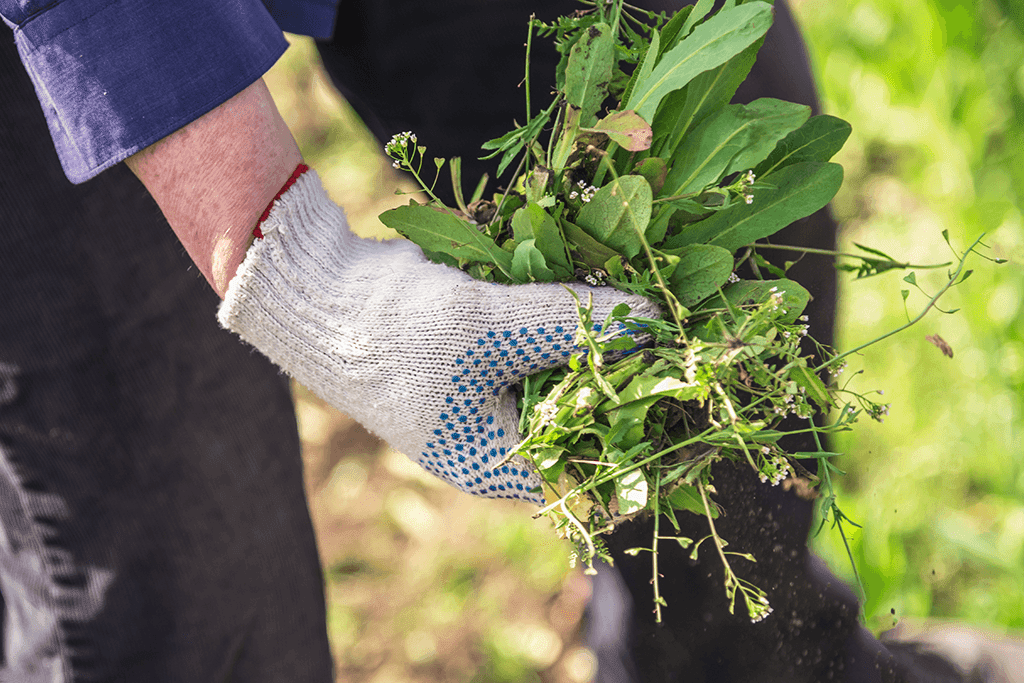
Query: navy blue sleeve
point(114, 76)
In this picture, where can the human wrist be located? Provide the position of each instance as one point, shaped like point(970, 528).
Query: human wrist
point(214, 177)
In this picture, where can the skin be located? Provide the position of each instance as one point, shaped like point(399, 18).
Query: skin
point(213, 178)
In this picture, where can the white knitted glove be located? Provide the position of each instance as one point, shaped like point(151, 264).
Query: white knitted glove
point(419, 353)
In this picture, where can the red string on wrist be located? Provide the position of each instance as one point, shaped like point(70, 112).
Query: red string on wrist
point(299, 170)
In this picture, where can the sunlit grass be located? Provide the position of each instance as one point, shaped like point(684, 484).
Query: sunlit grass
point(934, 97)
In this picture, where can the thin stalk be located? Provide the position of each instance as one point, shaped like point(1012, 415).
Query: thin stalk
point(654, 548)
point(839, 522)
point(928, 307)
point(846, 254)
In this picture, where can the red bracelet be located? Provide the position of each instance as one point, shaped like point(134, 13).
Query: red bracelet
point(299, 170)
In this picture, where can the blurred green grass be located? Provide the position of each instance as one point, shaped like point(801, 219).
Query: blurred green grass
point(935, 92)
point(426, 584)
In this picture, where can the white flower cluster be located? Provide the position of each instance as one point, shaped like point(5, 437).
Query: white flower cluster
point(548, 411)
point(836, 370)
point(746, 181)
point(396, 147)
point(733, 277)
point(758, 608)
point(596, 277)
point(585, 193)
point(775, 469)
point(776, 300)
point(879, 411)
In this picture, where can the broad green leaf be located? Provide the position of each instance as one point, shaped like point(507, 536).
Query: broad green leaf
point(684, 109)
point(813, 386)
point(532, 222)
point(442, 232)
point(644, 386)
point(817, 140)
point(631, 492)
point(736, 138)
point(671, 33)
point(627, 423)
point(522, 226)
point(700, 10)
point(686, 497)
point(591, 252)
point(528, 264)
point(797, 191)
point(654, 170)
point(702, 269)
point(625, 129)
point(589, 70)
point(657, 228)
point(550, 242)
point(618, 214)
point(752, 292)
point(645, 66)
point(775, 119)
point(710, 44)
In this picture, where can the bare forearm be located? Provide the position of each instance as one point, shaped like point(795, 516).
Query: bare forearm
point(213, 178)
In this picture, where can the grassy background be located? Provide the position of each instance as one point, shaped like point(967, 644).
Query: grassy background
point(426, 584)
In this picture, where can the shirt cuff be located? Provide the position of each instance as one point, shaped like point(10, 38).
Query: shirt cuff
point(115, 76)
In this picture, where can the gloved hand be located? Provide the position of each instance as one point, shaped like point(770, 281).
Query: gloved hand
point(421, 354)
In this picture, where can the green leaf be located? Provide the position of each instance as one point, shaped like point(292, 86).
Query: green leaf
point(672, 32)
point(442, 232)
point(686, 497)
point(631, 492)
point(702, 269)
point(657, 228)
point(817, 140)
point(625, 129)
point(710, 44)
point(618, 214)
point(736, 138)
point(654, 170)
point(550, 242)
point(911, 278)
point(644, 387)
point(684, 109)
point(645, 66)
point(813, 385)
point(589, 70)
point(797, 191)
point(700, 10)
point(590, 251)
point(754, 292)
point(528, 264)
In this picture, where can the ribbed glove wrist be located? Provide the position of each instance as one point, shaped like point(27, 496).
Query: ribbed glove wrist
point(419, 353)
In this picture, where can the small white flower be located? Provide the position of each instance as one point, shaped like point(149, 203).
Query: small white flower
point(748, 198)
point(548, 411)
point(733, 277)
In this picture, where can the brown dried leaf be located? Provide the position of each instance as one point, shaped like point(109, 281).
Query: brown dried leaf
point(941, 344)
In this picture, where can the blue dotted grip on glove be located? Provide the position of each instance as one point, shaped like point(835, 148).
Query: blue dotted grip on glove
point(468, 444)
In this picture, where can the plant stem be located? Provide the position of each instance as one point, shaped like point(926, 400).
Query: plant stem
point(838, 521)
point(654, 547)
point(829, 252)
point(526, 77)
point(730, 576)
point(928, 307)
